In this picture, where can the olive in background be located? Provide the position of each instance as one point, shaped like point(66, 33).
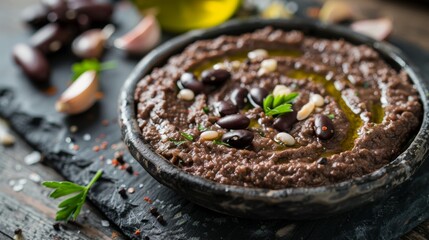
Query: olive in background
point(52, 37)
point(35, 15)
point(32, 62)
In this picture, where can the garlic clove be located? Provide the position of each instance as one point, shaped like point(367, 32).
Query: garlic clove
point(335, 11)
point(378, 29)
point(80, 95)
point(142, 38)
point(6, 139)
point(90, 44)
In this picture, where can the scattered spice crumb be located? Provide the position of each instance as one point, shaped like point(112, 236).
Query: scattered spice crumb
point(50, 91)
point(120, 157)
point(101, 157)
point(76, 147)
point(105, 122)
point(86, 137)
point(73, 129)
point(147, 199)
point(154, 211)
point(140, 185)
point(129, 169)
point(18, 231)
point(137, 232)
point(131, 190)
point(35, 177)
point(99, 95)
point(160, 219)
point(313, 12)
point(115, 162)
point(56, 226)
point(122, 192)
point(115, 235)
point(104, 145)
point(105, 223)
point(33, 158)
point(96, 148)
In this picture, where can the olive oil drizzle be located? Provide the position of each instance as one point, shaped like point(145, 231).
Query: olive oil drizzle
point(354, 120)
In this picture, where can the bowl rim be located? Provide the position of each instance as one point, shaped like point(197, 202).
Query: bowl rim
point(132, 136)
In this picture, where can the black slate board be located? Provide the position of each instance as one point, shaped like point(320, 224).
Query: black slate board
point(32, 115)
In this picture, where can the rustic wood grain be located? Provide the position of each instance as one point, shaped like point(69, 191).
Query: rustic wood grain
point(32, 210)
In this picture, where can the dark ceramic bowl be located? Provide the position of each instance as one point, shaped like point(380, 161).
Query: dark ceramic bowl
point(290, 203)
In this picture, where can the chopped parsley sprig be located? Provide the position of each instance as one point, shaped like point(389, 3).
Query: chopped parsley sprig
point(277, 105)
point(186, 136)
point(90, 64)
point(70, 207)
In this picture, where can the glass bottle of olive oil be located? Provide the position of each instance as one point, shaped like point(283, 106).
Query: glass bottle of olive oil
point(184, 15)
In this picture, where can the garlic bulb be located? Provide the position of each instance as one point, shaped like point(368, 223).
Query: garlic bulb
point(142, 38)
point(378, 29)
point(79, 96)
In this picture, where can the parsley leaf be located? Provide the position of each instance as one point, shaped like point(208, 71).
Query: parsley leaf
point(90, 64)
point(176, 142)
point(70, 207)
point(201, 128)
point(187, 136)
point(331, 116)
point(206, 110)
point(276, 105)
point(219, 142)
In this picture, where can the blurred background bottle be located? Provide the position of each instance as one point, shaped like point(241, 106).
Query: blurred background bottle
point(184, 15)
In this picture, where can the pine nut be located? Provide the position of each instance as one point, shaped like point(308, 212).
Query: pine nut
point(269, 64)
point(317, 99)
point(285, 138)
point(257, 54)
point(209, 135)
point(219, 66)
point(305, 111)
point(281, 90)
point(262, 72)
point(235, 64)
point(186, 94)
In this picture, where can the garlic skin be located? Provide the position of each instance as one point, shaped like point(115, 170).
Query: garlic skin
point(80, 95)
point(90, 44)
point(334, 11)
point(378, 29)
point(145, 36)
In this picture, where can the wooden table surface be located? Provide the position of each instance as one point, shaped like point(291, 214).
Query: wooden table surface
point(33, 212)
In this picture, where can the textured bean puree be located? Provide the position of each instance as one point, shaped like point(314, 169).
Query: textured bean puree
point(374, 109)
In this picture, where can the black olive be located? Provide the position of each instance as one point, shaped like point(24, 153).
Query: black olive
point(239, 97)
point(226, 108)
point(257, 96)
point(285, 122)
point(32, 62)
point(236, 121)
point(189, 81)
point(323, 127)
point(215, 76)
point(238, 138)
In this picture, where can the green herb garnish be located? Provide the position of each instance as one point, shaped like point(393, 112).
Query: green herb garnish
point(201, 128)
point(206, 110)
point(219, 142)
point(187, 136)
point(176, 142)
point(276, 105)
point(70, 207)
point(90, 64)
point(331, 116)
